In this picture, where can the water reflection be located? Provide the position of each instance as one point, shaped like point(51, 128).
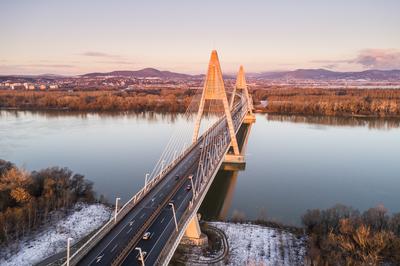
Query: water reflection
point(370, 122)
point(218, 201)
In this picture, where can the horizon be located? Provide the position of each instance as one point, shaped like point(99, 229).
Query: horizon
point(103, 37)
point(233, 74)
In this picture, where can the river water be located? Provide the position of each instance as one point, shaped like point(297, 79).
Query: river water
point(294, 163)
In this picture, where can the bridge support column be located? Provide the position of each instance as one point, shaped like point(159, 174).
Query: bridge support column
point(193, 234)
point(240, 87)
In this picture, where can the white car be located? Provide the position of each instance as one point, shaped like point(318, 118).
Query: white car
point(144, 253)
point(146, 236)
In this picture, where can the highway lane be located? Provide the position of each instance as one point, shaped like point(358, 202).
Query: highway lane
point(111, 245)
point(104, 252)
point(164, 225)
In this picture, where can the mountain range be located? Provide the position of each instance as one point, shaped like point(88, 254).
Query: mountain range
point(323, 74)
point(314, 74)
point(300, 74)
point(143, 73)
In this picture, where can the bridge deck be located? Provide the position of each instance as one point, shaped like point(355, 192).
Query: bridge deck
point(152, 213)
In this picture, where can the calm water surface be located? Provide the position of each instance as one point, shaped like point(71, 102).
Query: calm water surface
point(293, 163)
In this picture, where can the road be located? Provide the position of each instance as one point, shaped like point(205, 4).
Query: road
point(154, 205)
point(105, 251)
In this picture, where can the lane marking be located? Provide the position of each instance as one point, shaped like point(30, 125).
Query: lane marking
point(98, 259)
point(142, 216)
point(128, 231)
point(112, 250)
point(131, 222)
point(162, 220)
point(172, 218)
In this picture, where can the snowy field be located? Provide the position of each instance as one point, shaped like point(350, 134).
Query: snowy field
point(259, 245)
point(85, 219)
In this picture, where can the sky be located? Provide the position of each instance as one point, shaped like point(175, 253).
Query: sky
point(81, 36)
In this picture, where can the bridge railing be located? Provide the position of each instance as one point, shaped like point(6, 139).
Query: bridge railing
point(134, 200)
point(173, 241)
point(126, 208)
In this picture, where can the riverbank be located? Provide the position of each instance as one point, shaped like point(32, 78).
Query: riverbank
point(247, 244)
point(51, 239)
point(284, 101)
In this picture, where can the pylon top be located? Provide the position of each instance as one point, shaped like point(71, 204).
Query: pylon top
point(214, 85)
point(241, 79)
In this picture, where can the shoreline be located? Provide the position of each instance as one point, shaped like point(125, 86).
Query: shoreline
point(69, 111)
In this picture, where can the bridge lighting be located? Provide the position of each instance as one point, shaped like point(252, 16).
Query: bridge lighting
point(184, 147)
point(162, 166)
point(141, 255)
point(69, 239)
point(193, 188)
point(146, 180)
point(116, 209)
point(173, 212)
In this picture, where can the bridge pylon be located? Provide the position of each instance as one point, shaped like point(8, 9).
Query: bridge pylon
point(241, 87)
point(214, 89)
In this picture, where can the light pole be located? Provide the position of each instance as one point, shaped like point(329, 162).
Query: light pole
point(173, 212)
point(146, 180)
point(69, 239)
point(141, 254)
point(193, 188)
point(184, 148)
point(116, 208)
point(162, 166)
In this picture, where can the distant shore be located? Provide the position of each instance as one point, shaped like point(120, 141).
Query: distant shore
point(374, 103)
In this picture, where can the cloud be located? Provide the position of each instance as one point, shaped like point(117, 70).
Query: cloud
point(384, 59)
point(48, 65)
point(379, 58)
point(99, 54)
point(116, 62)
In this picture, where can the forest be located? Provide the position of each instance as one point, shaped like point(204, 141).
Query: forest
point(329, 102)
point(27, 199)
point(275, 100)
point(342, 235)
point(158, 100)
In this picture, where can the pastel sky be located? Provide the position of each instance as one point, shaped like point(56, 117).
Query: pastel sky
point(80, 36)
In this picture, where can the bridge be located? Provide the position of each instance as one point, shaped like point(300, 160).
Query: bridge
point(149, 227)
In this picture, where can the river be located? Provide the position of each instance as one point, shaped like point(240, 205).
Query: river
point(294, 163)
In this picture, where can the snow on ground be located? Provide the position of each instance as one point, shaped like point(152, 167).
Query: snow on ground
point(259, 245)
point(84, 220)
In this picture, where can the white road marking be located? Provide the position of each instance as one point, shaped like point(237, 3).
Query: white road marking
point(155, 244)
point(162, 220)
point(128, 231)
point(142, 216)
point(131, 222)
point(98, 259)
point(112, 250)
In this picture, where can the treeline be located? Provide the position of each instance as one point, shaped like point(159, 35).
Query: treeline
point(28, 198)
point(330, 102)
point(158, 100)
point(287, 101)
point(342, 235)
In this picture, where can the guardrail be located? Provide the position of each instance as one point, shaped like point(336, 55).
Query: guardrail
point(129, 205)
point(174, 240)
point(126, 208)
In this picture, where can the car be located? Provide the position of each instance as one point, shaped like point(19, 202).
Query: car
point(177, 177)
point(188, 187)
point(146, 236)
point(144, 253)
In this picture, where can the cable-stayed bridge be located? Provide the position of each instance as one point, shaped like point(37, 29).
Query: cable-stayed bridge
point(149, 227)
